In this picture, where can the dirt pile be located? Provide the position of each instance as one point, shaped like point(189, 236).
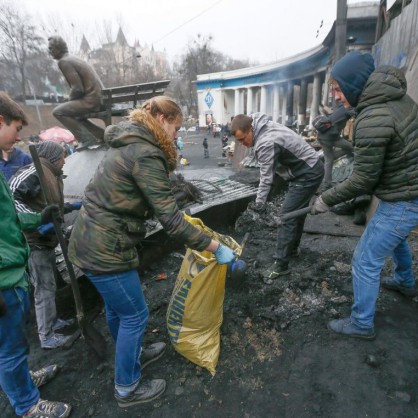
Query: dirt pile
point(277, 357)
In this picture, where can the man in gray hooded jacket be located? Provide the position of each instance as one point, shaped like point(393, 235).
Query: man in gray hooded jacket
point(282, 152)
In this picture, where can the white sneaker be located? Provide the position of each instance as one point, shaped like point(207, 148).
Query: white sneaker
point(48, 409)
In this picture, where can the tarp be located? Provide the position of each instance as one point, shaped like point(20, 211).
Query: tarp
point(57, 134)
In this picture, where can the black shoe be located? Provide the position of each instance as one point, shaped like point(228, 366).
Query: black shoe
point(147, 391)
point(346, 327)
point(359, 216)
point(389, 283)
point(278, 268)
point(151, 354)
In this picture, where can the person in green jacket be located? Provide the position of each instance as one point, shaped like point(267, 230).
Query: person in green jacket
point(17, 382)
point(385, 164)
point(131, 185)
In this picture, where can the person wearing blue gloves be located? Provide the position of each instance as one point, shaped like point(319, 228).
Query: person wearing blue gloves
point(29, 198)
point(132, 185)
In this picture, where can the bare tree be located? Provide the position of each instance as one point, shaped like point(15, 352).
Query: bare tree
point(19, 40)
point(199, 58)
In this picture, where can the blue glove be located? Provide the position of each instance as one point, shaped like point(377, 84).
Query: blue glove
point(69, 207)
point(46, 228)
point(224, 255)
point(76, 205)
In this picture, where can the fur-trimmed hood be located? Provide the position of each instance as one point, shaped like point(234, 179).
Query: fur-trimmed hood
point(141, 126)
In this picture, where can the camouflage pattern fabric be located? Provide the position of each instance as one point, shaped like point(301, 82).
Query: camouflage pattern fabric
point(130, 185)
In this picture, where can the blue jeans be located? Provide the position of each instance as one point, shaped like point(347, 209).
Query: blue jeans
point(126, 316)
point(385, 235)
point(15, 379)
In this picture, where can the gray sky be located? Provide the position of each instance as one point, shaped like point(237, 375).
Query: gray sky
point(260, 30)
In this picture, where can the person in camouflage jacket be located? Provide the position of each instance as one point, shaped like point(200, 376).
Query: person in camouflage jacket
point(385, 163)
point(131, 185)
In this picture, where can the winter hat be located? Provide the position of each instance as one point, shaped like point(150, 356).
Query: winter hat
point(49, 150)
point(351, 73)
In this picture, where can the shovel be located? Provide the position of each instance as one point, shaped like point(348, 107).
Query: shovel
point(291, 215)
point(94, 339)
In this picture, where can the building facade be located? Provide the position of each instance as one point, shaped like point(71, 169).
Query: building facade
point(289, 90)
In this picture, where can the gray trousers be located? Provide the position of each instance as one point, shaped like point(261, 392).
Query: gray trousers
point(330, 155)
point(298, 196)
point(41, 268)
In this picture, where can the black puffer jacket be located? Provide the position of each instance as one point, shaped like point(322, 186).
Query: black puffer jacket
point(386, 142)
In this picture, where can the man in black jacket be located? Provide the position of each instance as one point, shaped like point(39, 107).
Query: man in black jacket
point(385, 164)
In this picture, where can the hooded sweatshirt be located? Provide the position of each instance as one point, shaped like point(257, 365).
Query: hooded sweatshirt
point(130, 185)
point(351, 73)
point(281, 151)
point(385, 137)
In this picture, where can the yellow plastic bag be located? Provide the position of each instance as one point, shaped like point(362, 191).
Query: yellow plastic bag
point(195, 312)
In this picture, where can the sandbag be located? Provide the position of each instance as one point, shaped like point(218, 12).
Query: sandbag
point(195, 312)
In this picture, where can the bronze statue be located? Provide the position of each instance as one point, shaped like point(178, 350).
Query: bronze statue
point(85, 94)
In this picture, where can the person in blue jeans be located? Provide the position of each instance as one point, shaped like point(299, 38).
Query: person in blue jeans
point(17, 382)
point(385, 164)
point(131, 185)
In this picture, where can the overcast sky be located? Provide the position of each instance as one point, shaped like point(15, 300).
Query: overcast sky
point(260, 30)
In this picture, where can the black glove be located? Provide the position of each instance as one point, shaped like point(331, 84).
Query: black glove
point(257, 207)
point(3, 306)
point(50, 213)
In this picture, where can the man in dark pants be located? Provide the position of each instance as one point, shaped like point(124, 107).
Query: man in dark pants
point(85, 94)
point(280, 151)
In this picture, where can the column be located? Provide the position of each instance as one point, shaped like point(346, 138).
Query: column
point(242, 101)
point(276, 102)
point(316, 97)
point(303, 96)
point(263, 99)
point(236, 103)
point(249, 101)
point(289, 103)
point(283, 95)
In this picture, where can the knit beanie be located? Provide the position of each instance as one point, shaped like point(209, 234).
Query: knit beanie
point(49, 150)
point(351, 72)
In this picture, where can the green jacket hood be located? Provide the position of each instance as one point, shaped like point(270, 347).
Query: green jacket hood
point(384, 85)
point(142, 127)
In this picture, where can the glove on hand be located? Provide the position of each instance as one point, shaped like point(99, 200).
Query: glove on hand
point(3, 306)
point(257, 207)
point(224, 255)
point(69, 207)
point(319, 206)
point(49, 213)
point(46, 229)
